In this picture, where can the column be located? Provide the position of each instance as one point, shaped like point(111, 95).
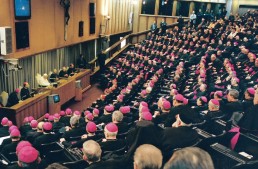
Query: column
point(191, 8)
point(157, 7)
point(208, 7)
point(174, 8)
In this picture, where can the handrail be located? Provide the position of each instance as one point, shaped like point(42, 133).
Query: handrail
point(164, 16)
point(115, 44)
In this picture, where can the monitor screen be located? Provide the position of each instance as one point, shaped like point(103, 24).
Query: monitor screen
point(22, 9)
point(56, 98)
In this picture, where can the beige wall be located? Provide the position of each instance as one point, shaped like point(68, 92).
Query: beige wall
point(46, 26)
point(237, 3)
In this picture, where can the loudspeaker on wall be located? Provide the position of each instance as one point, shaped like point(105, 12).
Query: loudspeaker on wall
point(22, 34)
point(6, 40)
point(81, 23)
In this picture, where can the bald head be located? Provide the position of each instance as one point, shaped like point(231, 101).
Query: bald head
point(188, 158)
point(91, 151)
point(147, 156)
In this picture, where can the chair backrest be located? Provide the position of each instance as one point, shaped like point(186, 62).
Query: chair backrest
point(75, 138)
point(76, 164)
point(122, 135)
point(236, 117)
point(4, 95)
point(46, 148)
point(248, 165)
point(10, 158)
point(58, 156)
point(114, 154)
point(248, 145)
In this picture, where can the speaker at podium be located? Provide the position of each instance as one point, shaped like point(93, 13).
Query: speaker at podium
point(53, 103)
point(78, 90)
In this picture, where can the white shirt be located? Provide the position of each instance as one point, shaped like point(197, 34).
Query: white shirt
point(192, 16)
point(43, 82)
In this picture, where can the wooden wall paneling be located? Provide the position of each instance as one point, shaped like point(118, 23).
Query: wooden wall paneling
point(46, 26)
point(85, 17)
point(136, 17)
point(117, 16)
point(77, 16)
point(141, 38)
point(121, 15)
point(159, 19)
point(58, 24)
point(124, 12)
point(150, 21)
point(157, 7)
point(113, 19)
point(169, 21)
point(110, 13)
point(129, 10)
point(142, 23)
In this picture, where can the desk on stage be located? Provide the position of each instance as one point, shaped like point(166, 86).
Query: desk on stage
point(35, 106)
point(38, 105)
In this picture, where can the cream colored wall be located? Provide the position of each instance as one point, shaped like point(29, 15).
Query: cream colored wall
point(237, 3)
point(46, 26)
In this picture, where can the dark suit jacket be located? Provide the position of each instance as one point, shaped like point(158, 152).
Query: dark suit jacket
point(4, 131)
point(12, 99)
point(78, 131)
point(179, 137)
point(25, 93)
point(44, 139)
point(9, 148)
point(112, 145)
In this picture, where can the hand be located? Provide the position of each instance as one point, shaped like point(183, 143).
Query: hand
point(156, 113)
point(104, 140)
point(62, 140)
point(67, 128)
point(84, 136)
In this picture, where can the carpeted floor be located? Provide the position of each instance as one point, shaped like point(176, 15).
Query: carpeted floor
point(87, 98)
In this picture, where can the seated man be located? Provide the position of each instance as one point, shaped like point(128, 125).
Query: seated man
point(25, 93)
point(249, 121)
point(180, 135)
point(71, 71)
point(32, 135)
point(54, 76)
point(233, 105)
point(13, 98)
point(4, 129)
point(43, 81)
point(147, 156)
point(214, 110)
point(91, 129)
point(74, 130)
point(117, 118)
point(92, 155)
point(107, 116)
point(9, 148)
point(189, 158)
point(46, 137)
point(110, 142)
point(28, 157)
point(63, 72)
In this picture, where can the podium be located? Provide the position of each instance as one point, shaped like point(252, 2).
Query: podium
point(78, 90)
point(54, 105)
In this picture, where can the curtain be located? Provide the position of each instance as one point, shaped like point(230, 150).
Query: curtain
point(43, 63)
